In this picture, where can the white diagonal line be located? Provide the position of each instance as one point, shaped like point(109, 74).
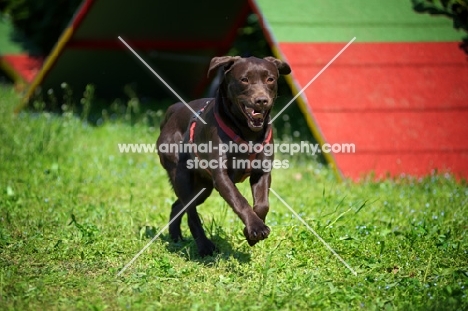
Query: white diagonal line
point(315, 233)
point(162, 80)
point(313, 79)
point(159, 233)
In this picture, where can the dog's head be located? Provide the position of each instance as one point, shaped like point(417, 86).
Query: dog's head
point(250, 84)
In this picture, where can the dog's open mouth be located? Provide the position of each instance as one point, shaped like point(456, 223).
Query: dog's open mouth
point(255, 117)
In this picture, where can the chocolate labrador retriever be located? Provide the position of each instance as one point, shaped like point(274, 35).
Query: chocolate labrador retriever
point(239, 115)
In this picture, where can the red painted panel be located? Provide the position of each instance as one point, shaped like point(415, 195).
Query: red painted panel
point(390, 88)
point(376, 76)
point(24, 65)
point(404, 105)
point(358, 166)
point(404, 132)
point(374, 53)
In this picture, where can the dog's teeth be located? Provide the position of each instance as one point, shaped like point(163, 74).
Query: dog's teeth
point(249, 110)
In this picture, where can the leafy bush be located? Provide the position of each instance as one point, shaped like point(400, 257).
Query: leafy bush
point(41, 21)
point(454, 9)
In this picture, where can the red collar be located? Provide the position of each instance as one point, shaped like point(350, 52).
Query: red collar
point(229, 132)
point(226, 129)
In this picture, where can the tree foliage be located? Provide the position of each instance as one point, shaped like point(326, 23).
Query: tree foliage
point(41, 21)
point(457, 10)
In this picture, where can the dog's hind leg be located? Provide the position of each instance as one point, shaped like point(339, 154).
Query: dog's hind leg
point(187, 186)
point(174, 227)
point(204, 245)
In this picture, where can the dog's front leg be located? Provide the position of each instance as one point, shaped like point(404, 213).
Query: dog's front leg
point(255, 229)
point(260, 185)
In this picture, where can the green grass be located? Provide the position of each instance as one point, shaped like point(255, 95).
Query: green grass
point(74, 211)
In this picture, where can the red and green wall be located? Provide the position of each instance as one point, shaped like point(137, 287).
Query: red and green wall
point(399, 92)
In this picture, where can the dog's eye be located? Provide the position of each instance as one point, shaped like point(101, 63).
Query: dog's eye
point(270, 80)
point(244, 80)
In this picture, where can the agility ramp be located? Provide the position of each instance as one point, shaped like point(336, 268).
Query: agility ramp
point(399, 92)
point(177, 39)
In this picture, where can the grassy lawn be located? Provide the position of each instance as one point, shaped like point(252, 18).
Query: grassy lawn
point(74, 211)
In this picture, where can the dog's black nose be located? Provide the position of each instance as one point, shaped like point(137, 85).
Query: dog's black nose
point(261, 101)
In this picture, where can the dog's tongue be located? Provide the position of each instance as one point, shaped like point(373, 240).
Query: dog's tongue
point(253, 114)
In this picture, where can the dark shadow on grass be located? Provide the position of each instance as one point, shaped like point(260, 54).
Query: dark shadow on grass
point(188, 249)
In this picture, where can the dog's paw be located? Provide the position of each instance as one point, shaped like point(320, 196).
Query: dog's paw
point(251, 242)
point(256, 232)
point(176, 234)
point(206, 248)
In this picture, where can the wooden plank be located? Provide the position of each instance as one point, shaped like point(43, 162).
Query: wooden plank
point(382, 76)
point(397, 132)
point(359, 166)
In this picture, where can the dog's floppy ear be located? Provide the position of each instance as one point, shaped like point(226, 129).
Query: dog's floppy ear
point(283, 68)
point(225, 61)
